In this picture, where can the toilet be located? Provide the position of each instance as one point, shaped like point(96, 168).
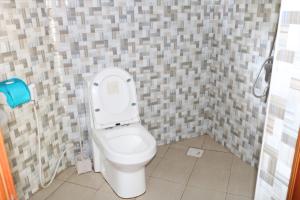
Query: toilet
point(121, 146)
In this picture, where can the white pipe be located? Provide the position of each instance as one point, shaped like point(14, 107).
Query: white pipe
point(44, 185)
point(4, 119)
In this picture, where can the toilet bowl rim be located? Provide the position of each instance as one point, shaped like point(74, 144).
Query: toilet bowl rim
point(130, 158)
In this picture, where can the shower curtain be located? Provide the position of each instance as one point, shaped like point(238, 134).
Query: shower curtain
point(7, 188)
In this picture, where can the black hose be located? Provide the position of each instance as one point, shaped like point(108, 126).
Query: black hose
point(269, 60)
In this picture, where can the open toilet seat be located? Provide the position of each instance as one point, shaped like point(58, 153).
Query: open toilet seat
point(127, 145)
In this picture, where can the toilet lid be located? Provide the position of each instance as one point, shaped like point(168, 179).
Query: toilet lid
point(113, 98)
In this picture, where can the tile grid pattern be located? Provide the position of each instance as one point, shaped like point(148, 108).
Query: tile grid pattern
point(158, 44)
point(169, 186)
point(27, 51)
point(283, 112)
point(167, 46)
point(56, 46)
point(242, 36)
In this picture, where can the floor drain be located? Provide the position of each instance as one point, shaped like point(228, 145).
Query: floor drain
point(195, 152)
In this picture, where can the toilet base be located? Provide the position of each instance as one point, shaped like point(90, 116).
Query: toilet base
point(126, 183)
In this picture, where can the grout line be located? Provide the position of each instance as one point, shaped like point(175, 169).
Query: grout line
point(168, 148)
point(164, 179)
point(160, 159)
point(185, 186)
point(51, 193)
point(103, 185)
point(229, 178)
point(57, 179)
point(66, 179)
point(216, 150)
point(197, 159)
point(85, 186)
point(239, 195)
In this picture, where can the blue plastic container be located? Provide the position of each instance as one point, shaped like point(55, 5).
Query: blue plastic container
point(16, 92)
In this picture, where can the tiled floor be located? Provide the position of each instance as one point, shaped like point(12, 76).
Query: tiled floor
point(171, 175)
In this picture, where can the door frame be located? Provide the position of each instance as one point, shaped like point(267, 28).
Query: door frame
point(295, 174)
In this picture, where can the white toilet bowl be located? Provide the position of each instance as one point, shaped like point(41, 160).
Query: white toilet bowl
point(125, 152)
point(121, 145)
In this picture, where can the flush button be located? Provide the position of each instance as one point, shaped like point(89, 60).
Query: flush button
point(96, 84)
point(128, 80)
point(97, 110)
point(133, 104)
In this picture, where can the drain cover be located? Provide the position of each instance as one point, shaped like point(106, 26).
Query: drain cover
point(195, 152)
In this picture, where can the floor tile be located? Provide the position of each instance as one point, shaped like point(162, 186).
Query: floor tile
point(69, 191)
point(175, 145)
point(210, 178)
point(176, 171)
point(242, 179)
point(196, 142)
point(158, 189)
point(177, 152)
point(236, 197)
point(44, 193)
point(175, 166)
point(91, 179)
point(192, 193)
point(106, 193)
point(210, 144)
point(162, 150)
point(151, 166)
point(67, 173)
point(215, 159)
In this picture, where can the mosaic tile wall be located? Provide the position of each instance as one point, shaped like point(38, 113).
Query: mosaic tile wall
point(57, 44)
point(283, 112)
point(174, 49)
point(165, 45)
point(243, 31)
point(27, 51)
